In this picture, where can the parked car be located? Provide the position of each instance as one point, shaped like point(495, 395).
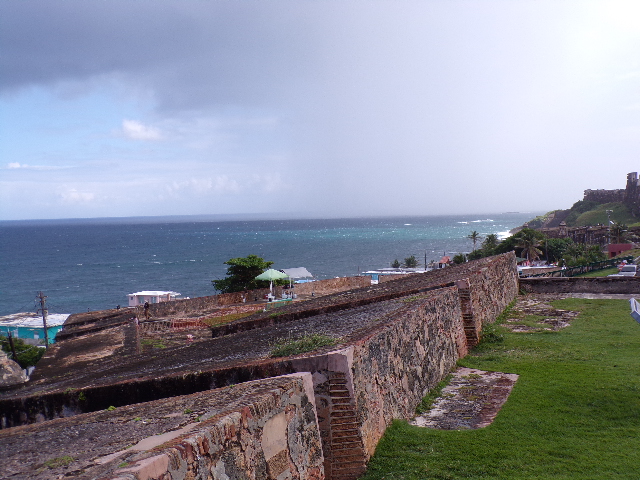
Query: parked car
point(627, 271)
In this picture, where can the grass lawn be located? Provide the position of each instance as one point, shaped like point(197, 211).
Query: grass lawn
point(600, 273)
point(574, 413)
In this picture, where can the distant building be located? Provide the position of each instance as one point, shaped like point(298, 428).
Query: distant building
point(29, 327)
point(384, 272)
point(615, 249)
point(151, 296)
point(444, 261)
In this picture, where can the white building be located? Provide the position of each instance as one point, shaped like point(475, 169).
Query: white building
point(151, 296)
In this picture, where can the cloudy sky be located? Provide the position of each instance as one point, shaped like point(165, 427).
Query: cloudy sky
point(319, 108)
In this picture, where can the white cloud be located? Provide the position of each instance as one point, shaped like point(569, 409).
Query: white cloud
point(269, 183)
point(24, 166)
point(217, 184)
point(73, 196)
point(137, 131)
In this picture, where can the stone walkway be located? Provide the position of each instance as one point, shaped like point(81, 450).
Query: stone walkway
point(472, 400)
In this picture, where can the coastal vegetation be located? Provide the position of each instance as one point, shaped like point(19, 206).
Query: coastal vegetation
point(242, 273)
point(573, 414)
point(533, 245)
point(474, 237)
point(409, 262)
point(459, 258)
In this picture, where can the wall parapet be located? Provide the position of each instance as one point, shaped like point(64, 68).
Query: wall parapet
point(596, 285)
point(261, 429)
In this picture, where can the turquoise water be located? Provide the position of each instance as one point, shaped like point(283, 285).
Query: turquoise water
point(93, 264)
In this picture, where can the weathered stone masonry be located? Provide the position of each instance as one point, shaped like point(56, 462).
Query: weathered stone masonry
point(380, 371)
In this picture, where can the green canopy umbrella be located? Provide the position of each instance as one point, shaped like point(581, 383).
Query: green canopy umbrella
point(271, 275)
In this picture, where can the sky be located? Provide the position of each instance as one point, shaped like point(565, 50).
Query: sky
point(314, 108)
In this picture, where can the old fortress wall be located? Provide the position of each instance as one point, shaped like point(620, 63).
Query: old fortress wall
point(316, 415)
point(630, 195)
point(555, 227)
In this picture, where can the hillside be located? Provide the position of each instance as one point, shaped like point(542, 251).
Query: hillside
point(587, 212)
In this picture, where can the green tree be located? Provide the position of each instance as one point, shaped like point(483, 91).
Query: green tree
point(594, 253)
point(411, 262)
point(241, 274)
point(476, 254)
point(459, 258)
point(555, 248)
point(474, 237)
point(511, 243)
point(27, 355)
point(581, 254)
point(395, 264)
point(490, 242)
point(529, 243)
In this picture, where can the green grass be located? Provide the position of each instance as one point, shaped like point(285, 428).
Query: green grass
point(152, 343)
point(428, 401)
point(308, 343)
point(215, 321)
point(620, 213)
point(58, 462)
point(573, 414)
point(600, 273)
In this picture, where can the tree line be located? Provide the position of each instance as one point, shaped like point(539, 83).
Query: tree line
point(532, 245)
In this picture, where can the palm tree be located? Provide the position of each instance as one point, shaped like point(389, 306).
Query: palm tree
point(490, 241)
point(529, 244)
point(474, 237)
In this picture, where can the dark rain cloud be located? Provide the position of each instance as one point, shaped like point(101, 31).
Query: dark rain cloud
point(191, 54)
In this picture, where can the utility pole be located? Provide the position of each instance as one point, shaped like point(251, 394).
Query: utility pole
point(43, 308)
point(13, 348)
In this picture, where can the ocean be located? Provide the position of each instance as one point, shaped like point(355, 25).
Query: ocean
point(93, 264)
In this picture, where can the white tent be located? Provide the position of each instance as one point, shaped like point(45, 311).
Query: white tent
point(298, 272)
point(295, 273)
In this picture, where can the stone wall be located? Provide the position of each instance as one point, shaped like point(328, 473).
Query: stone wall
point(382, 375)
point(400, 362)
point(257, 430)
point(380, 372)
point(82, 323)
point(493, 286)
point(604, 285)
point(272, 434)
point(332, 285)
point(604, 196)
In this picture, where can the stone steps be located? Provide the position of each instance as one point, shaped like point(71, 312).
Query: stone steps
point(348, 460)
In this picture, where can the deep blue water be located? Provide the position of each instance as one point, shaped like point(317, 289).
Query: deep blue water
point(93, 264)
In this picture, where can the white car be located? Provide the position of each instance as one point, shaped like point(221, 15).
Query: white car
point(627, 271)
